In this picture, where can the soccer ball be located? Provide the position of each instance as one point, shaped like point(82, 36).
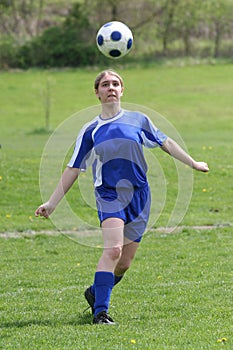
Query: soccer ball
point(114, 39)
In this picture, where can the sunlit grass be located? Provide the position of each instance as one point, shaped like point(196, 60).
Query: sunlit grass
point(177, 294)
point(197, 100)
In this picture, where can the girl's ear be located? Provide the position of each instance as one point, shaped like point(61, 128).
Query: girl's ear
point(97, 94)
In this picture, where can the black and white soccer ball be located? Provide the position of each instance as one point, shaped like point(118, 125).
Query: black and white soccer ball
point(114, 39)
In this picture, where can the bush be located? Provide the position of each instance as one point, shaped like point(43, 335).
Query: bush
point(7, 54)
point(70, 44)
point(57, 48)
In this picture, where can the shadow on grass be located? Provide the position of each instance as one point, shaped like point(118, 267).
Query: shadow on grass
point(81, 319)
point(40, 131)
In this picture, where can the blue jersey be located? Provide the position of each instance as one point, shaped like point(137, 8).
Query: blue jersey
point(114, 149)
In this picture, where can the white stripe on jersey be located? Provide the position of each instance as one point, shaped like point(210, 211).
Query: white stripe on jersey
point(114, 148)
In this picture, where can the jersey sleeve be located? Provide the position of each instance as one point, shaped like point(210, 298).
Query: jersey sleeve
point(152, 136)
point(83, 151)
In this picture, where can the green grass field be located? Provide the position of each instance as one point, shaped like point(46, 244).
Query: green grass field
point(178, 293)
point(197, 100)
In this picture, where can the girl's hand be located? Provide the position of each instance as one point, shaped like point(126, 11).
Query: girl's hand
point(44, 210)
point(201, 166)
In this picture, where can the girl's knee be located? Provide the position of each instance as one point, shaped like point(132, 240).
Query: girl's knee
point(114, 253)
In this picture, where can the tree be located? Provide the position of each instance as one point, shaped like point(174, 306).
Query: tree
point(186, 21)
point(21, 19)
point(165, 17)
point(72, 43)
point(50, 32)
point(219, 19)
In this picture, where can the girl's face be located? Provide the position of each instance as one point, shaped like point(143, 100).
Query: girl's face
point(110, 89)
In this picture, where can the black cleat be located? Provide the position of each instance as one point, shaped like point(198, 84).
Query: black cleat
point(103, 318)
point(90, 298)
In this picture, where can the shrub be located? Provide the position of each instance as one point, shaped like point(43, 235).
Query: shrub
point(69, 44)
point(7, 54)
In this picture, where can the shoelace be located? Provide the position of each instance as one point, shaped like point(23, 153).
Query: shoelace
point(86, 309)
point(106, 316)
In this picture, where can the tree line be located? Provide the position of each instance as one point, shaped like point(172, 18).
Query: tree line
point(50, 33)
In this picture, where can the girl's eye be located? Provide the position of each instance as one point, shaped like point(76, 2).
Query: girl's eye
point(115, 84)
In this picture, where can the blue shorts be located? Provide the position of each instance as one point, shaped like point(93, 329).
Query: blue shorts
point(130, 205)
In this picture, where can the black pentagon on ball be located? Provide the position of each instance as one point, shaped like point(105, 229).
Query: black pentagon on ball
point(116, 36)
point(100, 40)
point(129, 43)
point(115, 53)
point(107, 24)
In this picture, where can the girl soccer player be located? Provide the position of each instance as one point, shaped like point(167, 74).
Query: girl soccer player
point(112, 143)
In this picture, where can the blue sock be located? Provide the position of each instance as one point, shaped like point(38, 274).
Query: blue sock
point(104, 282)
point(117, 279)
point(93, 289)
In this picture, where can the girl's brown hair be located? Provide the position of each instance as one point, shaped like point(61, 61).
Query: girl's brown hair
point(102, 74)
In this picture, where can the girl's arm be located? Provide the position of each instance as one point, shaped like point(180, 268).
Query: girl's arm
point(67, 179)
point(172, 148)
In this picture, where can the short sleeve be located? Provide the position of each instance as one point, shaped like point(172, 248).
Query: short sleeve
point(152, 136)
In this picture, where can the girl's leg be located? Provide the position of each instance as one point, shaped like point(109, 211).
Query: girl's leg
point(113, 239)
point(128, 252)
point(127, 256)
point(112, 229)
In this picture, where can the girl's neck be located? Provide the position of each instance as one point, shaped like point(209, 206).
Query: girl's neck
point(109, 110)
